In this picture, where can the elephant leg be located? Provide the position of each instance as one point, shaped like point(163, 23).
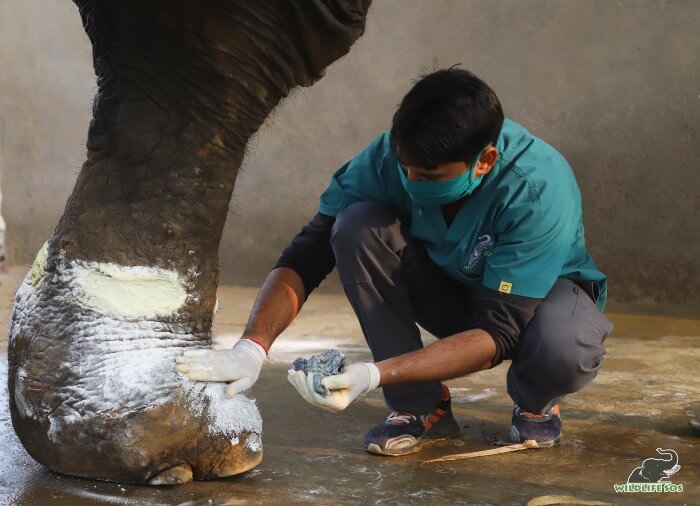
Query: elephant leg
point(128, 280)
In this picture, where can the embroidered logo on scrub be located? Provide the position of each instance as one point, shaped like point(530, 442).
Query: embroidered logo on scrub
point(485, 242)
point(505, 287)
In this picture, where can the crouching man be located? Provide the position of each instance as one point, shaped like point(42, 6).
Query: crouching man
point(467, 224)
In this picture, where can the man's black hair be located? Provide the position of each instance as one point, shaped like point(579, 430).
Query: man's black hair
point(449, 115)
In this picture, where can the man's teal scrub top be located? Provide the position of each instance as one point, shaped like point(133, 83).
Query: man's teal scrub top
point(517, 233)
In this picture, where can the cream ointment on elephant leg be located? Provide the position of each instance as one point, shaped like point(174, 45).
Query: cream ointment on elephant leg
point(127, 281)
point(107, 375)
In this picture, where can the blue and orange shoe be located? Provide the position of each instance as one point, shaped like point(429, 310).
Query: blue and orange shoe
point(403, 433)
point(544, 430)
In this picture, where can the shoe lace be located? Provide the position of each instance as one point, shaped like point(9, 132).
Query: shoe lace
point(536, 416)
point(397, 417)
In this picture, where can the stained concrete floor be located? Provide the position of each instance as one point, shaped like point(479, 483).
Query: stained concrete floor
point(641, 401)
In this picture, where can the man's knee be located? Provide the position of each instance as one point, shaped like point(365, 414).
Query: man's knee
point(363, 223)
point(567, 356)
point(574, 370)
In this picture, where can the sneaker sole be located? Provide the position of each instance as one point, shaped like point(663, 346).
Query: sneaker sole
point(376, 449)
point(514, 438)
point(546, 444)
point(420, 444)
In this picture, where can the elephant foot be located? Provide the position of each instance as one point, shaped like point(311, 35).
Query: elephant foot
point(247, 455)
point(173, 476)
point(93, 387)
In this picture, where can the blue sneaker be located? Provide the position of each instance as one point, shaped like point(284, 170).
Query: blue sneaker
point(403, 433)
point(544, 430)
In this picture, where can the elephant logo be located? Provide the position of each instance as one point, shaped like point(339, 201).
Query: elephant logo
point(655, 470)
point(485, 241)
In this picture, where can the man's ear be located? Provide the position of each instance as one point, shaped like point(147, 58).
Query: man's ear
point(486, 162)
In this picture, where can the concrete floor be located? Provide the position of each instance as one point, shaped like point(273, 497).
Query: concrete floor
point(641, 401)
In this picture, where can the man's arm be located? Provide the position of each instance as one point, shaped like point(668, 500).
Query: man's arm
point(277, 304)
point(300, 269)
point(457, 355)
point(496, 323)
point(454, 356)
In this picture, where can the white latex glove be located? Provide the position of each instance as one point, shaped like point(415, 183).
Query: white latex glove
point(344, 388)
point(240, 365)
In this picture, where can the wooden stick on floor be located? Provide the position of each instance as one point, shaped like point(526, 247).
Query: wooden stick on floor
point(527, 445)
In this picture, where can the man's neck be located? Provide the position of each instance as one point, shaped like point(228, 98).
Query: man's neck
point(449, 211)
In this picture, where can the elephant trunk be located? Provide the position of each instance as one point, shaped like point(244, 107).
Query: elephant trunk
point(673, 461)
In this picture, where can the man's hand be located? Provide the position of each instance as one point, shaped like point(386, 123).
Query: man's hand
point(344, 388)
point(239, 365)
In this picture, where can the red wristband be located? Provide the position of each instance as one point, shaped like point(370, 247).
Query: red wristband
point(259, 343)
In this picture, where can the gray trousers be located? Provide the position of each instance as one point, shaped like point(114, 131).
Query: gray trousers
point(392, 284)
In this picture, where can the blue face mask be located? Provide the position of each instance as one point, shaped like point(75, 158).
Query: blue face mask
point(429, 193)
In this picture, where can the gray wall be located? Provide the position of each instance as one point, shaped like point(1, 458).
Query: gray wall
point(615, 86)
point(46, 89)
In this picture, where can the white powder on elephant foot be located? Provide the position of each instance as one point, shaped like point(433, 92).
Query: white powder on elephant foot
point(128, 291)
point(117, 355)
